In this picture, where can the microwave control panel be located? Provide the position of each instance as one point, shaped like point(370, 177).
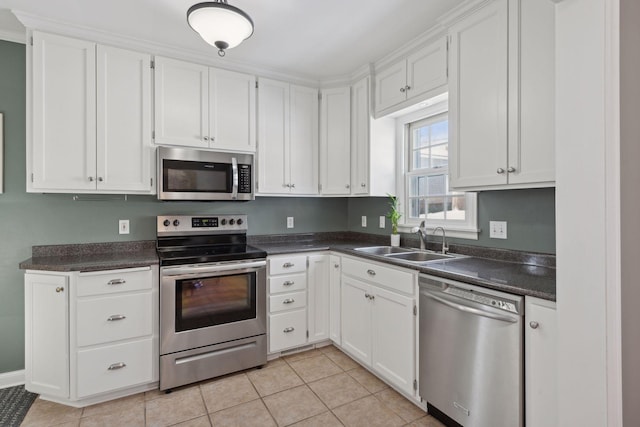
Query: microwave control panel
point(244, 178)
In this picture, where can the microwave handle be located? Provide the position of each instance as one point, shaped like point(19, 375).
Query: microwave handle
point(234, 170)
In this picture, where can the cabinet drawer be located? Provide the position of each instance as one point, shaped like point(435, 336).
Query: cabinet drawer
point(288, 283)
point(287, 301)
point(107, 282)
point(112, 318)
point(287, 264)
point(287, 330)
point(388, 277)
point(131, 364)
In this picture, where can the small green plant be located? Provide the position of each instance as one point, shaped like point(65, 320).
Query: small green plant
point(393, 214)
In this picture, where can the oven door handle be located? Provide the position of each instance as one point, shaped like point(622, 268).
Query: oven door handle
point(234, 169)
point(190, 270)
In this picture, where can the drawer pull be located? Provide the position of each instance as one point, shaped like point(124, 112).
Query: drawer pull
point(288, 283)
point(115, 366)
point(289, 329)
point(336, 265)
point(116, 317)
point(116, 282)
point(367, 296)
point(59, 289)
point(288, 265)
point(533, 324)
point(288, 301)
point(371, 272)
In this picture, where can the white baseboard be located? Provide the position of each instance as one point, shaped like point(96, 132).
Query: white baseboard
point(10, 379)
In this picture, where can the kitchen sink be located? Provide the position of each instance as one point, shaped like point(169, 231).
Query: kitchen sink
point(383, 250)
point(419, 256)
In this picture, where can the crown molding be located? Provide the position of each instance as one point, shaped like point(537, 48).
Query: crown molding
point(14, 36)
point(460, 11)
point(429, 36)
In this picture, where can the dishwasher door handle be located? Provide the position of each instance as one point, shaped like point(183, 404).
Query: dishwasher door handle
point(468, 309)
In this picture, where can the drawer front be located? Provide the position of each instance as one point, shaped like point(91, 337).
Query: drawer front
point(288, 283)
point(287, 330)
point(287, 264)
point(113, 318)
point(108, 282)
point(401, 281)
point(288, 301)
point(131, 364)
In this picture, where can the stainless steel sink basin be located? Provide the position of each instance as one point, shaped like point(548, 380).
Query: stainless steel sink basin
point(383, 250)
point(419, 256)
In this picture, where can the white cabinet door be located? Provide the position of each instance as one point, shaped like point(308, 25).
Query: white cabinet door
point(47, 334)
point(64, 114)
point(478, 98)
point(360, 137)
point(181, 103)
point(232, 110)
point(427, 69)
point(335, 141)
point(303, 145)
point(124, 150)
point(390, 86)
point(273, 137)
point(318, 297)
point(335, 323)
point(356, 319)
point(393, 328)
point(540, 363)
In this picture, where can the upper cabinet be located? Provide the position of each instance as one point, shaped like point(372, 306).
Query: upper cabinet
point(288, 138)
point(203, 107)
point(501, 96)
point(413, 79)
point(335, 141)
point(90, 118)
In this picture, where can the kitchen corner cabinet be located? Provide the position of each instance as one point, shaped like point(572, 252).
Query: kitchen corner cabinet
point(501, 96)
point(335, 322)
point(288, 139)
point(203, 107)
point(541, 360)
point(90, 118)
point(91, 337)
point(413, 79)
point(335, 141)
point(378, 315)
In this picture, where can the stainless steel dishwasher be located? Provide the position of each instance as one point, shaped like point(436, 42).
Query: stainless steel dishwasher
point(471, 354)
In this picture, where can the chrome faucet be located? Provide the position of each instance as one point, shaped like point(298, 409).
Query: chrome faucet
point(422, 234)
point(445, 248)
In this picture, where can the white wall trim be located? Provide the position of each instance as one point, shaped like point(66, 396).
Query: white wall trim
point(12, 36)
point(10, 379)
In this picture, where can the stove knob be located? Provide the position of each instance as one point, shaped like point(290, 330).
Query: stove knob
point(232, 221)
point(223, 221)
point(166, 223)
point(239, 222)
point(176, 222)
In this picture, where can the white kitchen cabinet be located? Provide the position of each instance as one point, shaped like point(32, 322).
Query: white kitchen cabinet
point(501, 96)
point(335, 141)
point(378, 320)
point(540, 363)
point(421, 75)
point(288, 139)
point(335, 321)
point(90, 118)
point(93, 336)
point(318, 275)
point(203, 107)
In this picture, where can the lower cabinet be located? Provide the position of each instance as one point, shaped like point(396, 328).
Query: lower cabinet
point(93, 336)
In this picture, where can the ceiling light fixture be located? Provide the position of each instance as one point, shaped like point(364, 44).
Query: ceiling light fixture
point(220, 24)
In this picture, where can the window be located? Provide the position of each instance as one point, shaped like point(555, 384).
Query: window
point(427, 196)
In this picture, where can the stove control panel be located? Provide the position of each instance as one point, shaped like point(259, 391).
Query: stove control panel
point(201, 224)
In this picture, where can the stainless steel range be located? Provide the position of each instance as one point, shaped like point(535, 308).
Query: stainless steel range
point(212, 298)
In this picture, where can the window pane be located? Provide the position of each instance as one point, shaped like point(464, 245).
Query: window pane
point(439, 155)
point(421, 159)
point(418, 186)
point(437, 185)
point(416, 208)
point(429, 144)
point(421, 137)
point(440, 132)
point(458, 208)
point(435, 207)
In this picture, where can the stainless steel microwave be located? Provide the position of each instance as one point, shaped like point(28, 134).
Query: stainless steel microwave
point(190, 174)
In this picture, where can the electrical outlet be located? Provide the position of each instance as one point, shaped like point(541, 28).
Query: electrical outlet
point(364, 220)
point(382, 221)
point(498, 229)
point(123, 226)
point(289, 222)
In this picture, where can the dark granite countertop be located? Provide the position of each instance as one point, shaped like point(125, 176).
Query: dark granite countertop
point(92, 256)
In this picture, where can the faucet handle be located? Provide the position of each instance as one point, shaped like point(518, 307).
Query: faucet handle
point(415, 229)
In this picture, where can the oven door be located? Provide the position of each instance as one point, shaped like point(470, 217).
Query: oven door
point(209, 304)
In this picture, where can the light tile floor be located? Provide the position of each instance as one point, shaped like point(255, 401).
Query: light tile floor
point(321, 387)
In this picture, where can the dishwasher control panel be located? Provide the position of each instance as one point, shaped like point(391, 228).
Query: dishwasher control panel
point(485, 299)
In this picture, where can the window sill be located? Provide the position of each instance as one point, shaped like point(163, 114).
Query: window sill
point(457, 232)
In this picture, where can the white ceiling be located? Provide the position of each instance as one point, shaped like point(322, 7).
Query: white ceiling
point(319, 39)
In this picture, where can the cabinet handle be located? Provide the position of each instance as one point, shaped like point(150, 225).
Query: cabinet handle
point(372, 297)
point(288, 283)
point(206, 138)
point(116, 317)
point(288, 265)
point(336, 265)
point(511, 169)
point(59, 289)
point(500, 171)
point(289, 329)
point(289, 301)
point(100, 179)
point(286, 185)
point(534, 324)
point(90, 179)
point(363, 185)
point(116, 282)
point(408, 87)
point(115, 366)
point(403, 90)
point(371, 272)
point(367, 296)
point(293, 186)
point(347, 186)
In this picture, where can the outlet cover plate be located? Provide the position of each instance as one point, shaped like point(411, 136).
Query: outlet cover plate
point(123, 226)
point(382, 225)
point(289, 222)
point(498, 229)
point(364, 220)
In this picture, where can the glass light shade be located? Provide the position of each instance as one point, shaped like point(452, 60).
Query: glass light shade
point(219, 24)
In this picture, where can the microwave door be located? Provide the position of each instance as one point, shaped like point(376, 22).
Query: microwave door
point(234, 169)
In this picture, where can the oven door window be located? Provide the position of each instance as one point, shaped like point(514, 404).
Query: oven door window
point(216, 300)
point(196, 177)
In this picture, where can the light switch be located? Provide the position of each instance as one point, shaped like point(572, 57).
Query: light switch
point(498, 229)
